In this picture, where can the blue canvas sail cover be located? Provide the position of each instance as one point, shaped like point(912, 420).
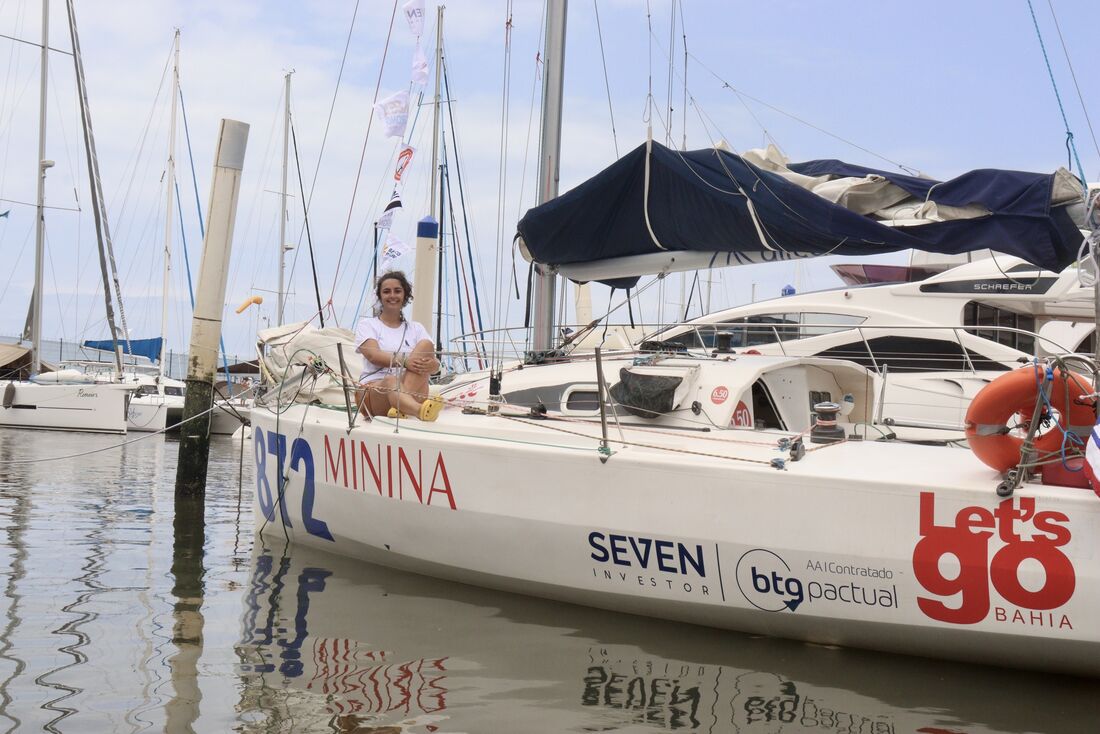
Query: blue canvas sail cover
point(673, 202)
point(142, 347)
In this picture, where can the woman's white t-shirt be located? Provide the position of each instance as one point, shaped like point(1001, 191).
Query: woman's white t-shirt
point(390, 339)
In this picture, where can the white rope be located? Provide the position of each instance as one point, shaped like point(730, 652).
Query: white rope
point(645, 206)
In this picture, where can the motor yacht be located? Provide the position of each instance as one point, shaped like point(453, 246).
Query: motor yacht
point(930, 345)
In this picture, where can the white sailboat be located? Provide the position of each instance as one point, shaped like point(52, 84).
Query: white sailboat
point(632, 482)
point(66, 402)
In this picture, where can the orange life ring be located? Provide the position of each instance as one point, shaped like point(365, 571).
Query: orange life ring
point(1013, 393)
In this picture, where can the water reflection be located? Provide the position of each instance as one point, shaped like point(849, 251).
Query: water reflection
point(94, 614)
point(187, 630)
point(341, 646)
point(111, 621)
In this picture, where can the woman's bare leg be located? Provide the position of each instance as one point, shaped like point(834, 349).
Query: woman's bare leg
point(414, 387)
point(374, 397)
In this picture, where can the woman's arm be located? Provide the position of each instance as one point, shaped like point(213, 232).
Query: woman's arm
point(422, 360)
point(380, 357)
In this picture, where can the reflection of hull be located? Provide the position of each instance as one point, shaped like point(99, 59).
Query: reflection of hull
point(63, 407)
point(375, 647)
point(838, 549)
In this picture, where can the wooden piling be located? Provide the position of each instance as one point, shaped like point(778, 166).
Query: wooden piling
point(206, 323)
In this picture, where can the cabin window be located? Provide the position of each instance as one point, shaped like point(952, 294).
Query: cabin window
point(912, 354)
point(819, 324)
point(990, 322)
point(761, 329)
point(764, 410)
point(1087, 346)
point(177, 391)
point(688, 340)
point(764, 328)
point(584, 400)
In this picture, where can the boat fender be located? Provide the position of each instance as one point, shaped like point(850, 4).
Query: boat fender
point(1016, 392)
point(9, 395)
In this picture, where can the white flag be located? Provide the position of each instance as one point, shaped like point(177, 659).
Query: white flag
point(414, 14)
point(386, 220)
point(420, 66)
point(395, 113)
point(392, 249)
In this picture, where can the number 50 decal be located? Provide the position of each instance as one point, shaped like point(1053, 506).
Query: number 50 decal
point(301, 461)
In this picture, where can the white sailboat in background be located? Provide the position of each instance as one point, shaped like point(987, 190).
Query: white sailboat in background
point(65, 400)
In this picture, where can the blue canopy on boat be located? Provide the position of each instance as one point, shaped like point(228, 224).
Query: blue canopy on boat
point(142, 347)
point(699, 202)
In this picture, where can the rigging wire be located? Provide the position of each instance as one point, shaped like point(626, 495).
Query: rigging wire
point(462, 204)
point(671, 71)
point(606, 81)
point(907, 169)
point(530, 123)
point(502, 167)
point(1071, 147)
point(684, 124)
point(1073, 75)
point(363, 153)
point(305, 219)
point(324, 136)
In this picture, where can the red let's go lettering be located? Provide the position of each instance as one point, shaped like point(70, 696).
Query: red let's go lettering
point(969, 541)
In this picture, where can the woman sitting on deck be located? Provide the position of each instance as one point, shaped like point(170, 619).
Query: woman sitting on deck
point(399, 357)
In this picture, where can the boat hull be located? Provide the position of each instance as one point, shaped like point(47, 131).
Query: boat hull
point(227, 417)
point(96, 408)
point(147, 414)
point(921, 565)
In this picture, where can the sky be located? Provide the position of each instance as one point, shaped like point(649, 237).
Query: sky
point(940, 87)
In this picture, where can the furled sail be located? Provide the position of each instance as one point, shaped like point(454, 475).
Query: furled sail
point(659, 210)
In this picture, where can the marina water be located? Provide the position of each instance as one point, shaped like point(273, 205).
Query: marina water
point(119, 616)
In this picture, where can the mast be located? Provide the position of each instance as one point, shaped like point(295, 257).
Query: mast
point(170, 179)
point(425, 267)
point(545, 294)
point(40, 218)
point(282, 195)
point(103, 230)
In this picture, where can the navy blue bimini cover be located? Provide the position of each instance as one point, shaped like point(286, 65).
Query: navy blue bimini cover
point(694, 205)
point(143, 347)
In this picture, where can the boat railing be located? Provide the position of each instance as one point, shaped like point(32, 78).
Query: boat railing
point(896, 347)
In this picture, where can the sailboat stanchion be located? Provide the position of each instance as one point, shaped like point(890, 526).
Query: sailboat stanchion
point(206, 324)
point(344, 383)
point(605, 449)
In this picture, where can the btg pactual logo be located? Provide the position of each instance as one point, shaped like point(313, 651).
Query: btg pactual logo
point(766, 582)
